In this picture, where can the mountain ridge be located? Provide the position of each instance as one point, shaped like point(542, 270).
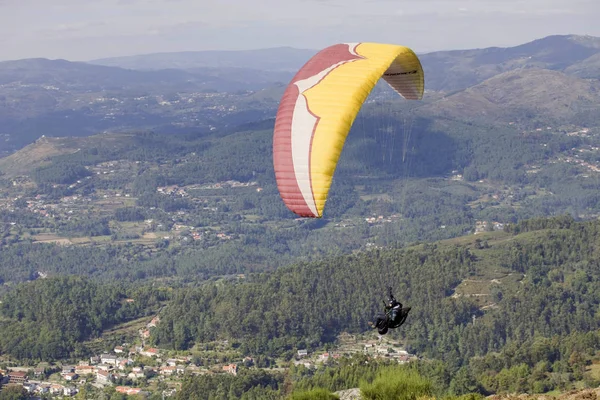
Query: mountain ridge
point(40, 96)
point(519, 96)
point(459, 69)
point(546, 52)
point(269, 59)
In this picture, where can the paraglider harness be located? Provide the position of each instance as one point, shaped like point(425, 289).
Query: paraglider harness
point(394, 316)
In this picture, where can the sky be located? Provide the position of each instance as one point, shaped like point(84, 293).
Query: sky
point(82, 30)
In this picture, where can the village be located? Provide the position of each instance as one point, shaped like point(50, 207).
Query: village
point(108, 188)
point(52, 213)
point(137, 369)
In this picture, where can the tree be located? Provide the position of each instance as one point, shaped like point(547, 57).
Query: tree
point(13, 392)
point(463, 382)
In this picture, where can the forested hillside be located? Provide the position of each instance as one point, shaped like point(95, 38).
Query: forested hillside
point(137, 200)
point(536, 332)
point(503, 311)
point(49, 319)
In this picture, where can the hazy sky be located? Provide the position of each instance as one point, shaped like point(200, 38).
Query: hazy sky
point(88, 29)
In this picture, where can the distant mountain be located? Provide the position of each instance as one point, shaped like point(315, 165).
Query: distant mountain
point(274, 59)
point(456, 70)
point(550, 79)
point(523, 95)
point(588, 68)
point(444, 70)
point(62, 98)
point(40, 71)
point(59, 72)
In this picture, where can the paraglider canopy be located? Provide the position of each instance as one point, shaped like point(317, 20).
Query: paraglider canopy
point(318, 108)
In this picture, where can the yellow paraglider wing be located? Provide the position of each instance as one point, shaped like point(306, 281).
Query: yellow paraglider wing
point(318, 108)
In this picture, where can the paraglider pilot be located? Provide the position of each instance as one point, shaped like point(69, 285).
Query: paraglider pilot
point(394, 316)
point(393, 305)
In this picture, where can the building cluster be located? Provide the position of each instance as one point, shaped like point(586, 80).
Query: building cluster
point(483, 226)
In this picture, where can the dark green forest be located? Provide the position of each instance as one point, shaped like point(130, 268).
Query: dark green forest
point(546, 326)
point(539, 335)
point(49, 319)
